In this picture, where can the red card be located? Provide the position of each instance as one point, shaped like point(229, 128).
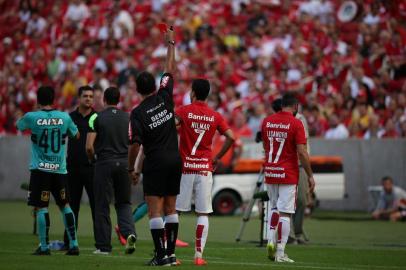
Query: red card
point(162, 27)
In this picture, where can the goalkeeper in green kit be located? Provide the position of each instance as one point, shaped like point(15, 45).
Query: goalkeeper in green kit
point(49, 131)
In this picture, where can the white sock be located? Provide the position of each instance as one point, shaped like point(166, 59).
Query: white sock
point(156, 223)
point(273, 225)
point(283, 231)
point(202, 229)
point(174, 218)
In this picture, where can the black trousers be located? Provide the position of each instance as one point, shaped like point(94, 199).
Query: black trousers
point(79, 178)
point(111, 179)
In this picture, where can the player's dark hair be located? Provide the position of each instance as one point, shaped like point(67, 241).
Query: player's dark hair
point(145, 83)
point(45, 95)
point(387, 178)
point(201, 88)
point(277, 105)
point(289, 100)
point(112, 95)
point(84, 88)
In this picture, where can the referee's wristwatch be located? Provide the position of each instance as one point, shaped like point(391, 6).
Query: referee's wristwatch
point(171, 42)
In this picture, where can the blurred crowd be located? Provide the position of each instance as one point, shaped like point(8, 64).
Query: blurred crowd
point(350, 76)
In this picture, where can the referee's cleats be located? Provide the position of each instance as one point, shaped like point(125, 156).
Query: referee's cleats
point(40, 252)
point(73, 251)
point(130, 244)
point(174, 261)
point(165, 261)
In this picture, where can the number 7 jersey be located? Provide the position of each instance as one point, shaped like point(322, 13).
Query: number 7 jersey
point(281, 133)
point(49, 131)
point(198, 125)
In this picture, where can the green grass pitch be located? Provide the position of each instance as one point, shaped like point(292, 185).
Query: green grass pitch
point(336, 243)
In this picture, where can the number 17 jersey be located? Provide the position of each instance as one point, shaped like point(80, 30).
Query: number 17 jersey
point(198, 125)
point(281, 133)
point(49, 132)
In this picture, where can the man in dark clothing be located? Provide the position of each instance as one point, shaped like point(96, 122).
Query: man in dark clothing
point(80, 170)
point(153, 127)
point(108, 142)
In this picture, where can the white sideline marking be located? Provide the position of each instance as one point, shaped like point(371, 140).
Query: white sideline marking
point(227, 263)
point(316, 246)
point(273, 264)
point(297, 264)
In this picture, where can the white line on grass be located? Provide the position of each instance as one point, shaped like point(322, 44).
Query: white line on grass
point(273, 264)
point(357, 265)
point(315, 246)
point(319, 265)
point(301, 265)
point(230, 263)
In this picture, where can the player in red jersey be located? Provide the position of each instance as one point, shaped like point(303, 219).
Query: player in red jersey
point(197, 125)
point(284, 141)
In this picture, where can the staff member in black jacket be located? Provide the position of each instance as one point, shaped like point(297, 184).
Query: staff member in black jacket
point(108, 139)
point(80, 170)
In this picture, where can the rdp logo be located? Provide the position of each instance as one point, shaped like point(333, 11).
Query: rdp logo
point(48, 166)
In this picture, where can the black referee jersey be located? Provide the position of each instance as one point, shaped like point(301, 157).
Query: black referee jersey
point(153, 122)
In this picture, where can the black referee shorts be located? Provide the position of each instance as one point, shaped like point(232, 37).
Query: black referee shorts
point(42, 184)
point(161, 175)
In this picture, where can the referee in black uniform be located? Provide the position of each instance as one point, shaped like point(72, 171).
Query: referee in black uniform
point(153, 126)
point(108, 141)
point(80, 170)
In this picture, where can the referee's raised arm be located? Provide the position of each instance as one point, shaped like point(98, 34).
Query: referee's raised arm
point(170, 54)
point(152, 125)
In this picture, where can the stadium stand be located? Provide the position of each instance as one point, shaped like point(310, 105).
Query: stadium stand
point(349, 73)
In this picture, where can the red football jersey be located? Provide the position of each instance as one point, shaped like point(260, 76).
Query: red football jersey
point(198, 125)
point(281, 133)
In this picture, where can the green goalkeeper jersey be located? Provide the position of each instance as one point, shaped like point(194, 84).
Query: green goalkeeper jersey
point(49, 131)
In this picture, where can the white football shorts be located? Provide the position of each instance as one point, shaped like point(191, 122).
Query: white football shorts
point(199, 185)
point(282, 197)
